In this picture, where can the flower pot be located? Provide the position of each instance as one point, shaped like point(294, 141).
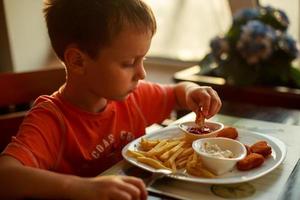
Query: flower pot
point(260, 95)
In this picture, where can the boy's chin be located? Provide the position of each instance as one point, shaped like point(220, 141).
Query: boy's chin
point(121, 98)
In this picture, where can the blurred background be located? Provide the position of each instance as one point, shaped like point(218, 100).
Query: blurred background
point(29, 67)
point(185, 28)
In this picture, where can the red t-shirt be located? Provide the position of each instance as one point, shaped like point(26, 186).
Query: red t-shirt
point(60, 137)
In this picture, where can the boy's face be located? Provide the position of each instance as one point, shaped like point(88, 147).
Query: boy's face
point(118, 68)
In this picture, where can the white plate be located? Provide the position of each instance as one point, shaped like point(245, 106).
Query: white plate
point(235, 176)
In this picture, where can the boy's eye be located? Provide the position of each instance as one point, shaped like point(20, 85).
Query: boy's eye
point(128, 64)
point(132, 63)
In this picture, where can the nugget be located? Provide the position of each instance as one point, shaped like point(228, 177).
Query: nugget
point(262, 148)
point(200, 119)
point(228, 132)
point(251, 161)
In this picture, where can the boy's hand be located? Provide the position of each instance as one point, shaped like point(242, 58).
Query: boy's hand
point(205, 97)
point(108, 188)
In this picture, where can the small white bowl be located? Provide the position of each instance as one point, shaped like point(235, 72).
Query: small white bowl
point(219, 165)
point(215, 127)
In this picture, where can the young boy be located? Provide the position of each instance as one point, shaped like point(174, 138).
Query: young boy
point(71, 136)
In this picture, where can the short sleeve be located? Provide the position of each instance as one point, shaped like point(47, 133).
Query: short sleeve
point(156, 101)
point(38, 141)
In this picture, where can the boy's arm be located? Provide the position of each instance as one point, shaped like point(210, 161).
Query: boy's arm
point(18, 182)
point(191, 96)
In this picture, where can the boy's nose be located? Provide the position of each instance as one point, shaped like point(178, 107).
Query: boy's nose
point(141, 72)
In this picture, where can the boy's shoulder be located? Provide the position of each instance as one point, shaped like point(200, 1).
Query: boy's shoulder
point(47, 102)
point(46, 99)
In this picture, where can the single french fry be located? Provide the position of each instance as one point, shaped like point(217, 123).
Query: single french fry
point(171, 161)
point(189, 159)
point(192, 162)
point(165, 156)
point(153, 157)
point(173, 166)
point(166, 148)
point(160, 143)
point(174, 156)
point(134, 154)
point(187, 151)
point(152, 162)
point(200, 172)
point(181, 164)
point(181, 159)
point(146, 144)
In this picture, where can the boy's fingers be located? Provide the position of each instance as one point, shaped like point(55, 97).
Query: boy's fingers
point(214, 108)
point(205, 102)
point(120, 195)
point(208, 99)
point(139, 184)
point(130, 189)
point(215, 103)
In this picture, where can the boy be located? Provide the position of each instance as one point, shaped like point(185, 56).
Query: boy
point(77, 132)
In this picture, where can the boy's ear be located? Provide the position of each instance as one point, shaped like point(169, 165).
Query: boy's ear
point(74, 59)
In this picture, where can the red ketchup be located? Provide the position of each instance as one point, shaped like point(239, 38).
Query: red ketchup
point(199, 130)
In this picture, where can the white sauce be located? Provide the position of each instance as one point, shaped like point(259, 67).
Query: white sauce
point(216, 151)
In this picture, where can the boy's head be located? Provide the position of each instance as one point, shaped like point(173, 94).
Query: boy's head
point(93, 24)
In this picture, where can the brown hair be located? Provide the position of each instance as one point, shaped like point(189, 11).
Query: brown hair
point(93, 24)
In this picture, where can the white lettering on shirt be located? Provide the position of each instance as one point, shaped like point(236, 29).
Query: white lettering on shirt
point(107, 142)
point(101, 147)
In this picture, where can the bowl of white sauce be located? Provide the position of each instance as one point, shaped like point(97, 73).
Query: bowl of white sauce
point(219, 155)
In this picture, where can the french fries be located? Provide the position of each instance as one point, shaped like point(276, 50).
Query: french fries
point(146, 145)
point(135, 154)
point(173, 154)
point(152, 162)
point(166, 155)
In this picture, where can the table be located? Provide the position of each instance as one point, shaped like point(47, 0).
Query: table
point(278, 184)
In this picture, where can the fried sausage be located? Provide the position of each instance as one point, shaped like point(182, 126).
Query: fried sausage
point(262, 148)
point(251, 161)
point(228, 132)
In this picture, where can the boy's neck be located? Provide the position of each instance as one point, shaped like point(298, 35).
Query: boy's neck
point(81, 101)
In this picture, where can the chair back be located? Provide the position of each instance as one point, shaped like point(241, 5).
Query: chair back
point(18, 91)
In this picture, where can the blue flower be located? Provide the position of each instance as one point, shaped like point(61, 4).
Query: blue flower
point(255, 42)
point(257, 49)
point(274, 17)
point(288, 45)
point(245, 15)
point(220, 47)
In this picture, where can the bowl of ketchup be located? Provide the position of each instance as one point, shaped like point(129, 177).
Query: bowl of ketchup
point(193, 131)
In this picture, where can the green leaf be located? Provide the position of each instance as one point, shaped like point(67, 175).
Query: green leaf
point(295, 76)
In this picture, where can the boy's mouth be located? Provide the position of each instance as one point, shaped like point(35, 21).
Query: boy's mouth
point(135, 86)
point(132, 90)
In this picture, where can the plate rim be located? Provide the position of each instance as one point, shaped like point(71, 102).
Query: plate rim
point(226, 180)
